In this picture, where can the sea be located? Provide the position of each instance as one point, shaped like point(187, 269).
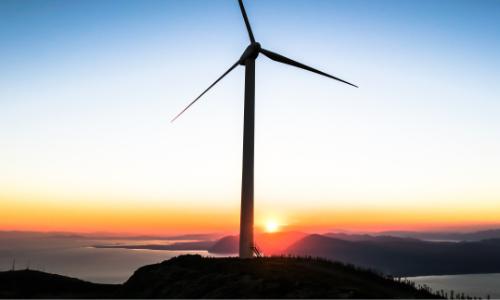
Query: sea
point(473, 285)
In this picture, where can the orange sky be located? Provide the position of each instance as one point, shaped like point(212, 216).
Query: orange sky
point(28, 213)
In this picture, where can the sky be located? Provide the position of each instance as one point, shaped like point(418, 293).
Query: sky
point(88, 89)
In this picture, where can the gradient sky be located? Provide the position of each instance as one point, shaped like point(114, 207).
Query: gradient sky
point(87, 89)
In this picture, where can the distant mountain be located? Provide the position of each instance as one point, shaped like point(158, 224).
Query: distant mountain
point(268, 243)
point(405, 256)
point(350, 237)
point(183, 237)
point(447, 236)
point(192, 276)
point(203, 245)
point(277, 242)
point(107, 236)
point(226, 245)
point(364, 237)
point(422, 235)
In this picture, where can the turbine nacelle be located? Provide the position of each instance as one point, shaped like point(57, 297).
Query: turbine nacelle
point(251, 52)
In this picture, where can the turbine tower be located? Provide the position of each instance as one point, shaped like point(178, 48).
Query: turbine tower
point(247, 59)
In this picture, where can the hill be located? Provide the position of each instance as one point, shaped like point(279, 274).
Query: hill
point(36, 284)
point(405, 256)
point(193, 276)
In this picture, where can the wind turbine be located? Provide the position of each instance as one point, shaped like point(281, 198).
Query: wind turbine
point(247, 59)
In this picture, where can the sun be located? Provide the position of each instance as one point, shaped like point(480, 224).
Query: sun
point(272, 226)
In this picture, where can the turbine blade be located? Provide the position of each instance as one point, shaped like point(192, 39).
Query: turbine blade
point(282, 59)
point(247, 23)
point(222, 76)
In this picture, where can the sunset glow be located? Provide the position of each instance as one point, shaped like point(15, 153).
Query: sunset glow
point(272, 226)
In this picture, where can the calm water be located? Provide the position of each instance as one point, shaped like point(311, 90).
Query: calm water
point(476, 285)
point(77, 258)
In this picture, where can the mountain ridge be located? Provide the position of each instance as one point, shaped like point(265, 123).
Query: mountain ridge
point(405, 256)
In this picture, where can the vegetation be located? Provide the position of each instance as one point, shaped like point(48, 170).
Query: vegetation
point(36, 284)
point(193, 276)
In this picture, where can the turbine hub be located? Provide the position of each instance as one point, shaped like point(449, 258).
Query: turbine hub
point(251, 52)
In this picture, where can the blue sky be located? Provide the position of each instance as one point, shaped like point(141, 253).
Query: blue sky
point(87, 89)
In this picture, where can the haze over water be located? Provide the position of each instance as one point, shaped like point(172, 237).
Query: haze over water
point(76, 257)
